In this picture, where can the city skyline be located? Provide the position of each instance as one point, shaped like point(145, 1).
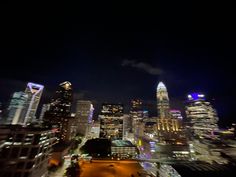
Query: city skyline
point(150, 104)
point(128, 52)
point(111, 89)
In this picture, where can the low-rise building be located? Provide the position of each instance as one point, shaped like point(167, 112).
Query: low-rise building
point(123, 149)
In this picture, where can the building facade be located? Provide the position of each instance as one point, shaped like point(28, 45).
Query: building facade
point(169, 122)
point(95, 130)
point(84, 116)
point(59, 115)
point(24, 151)
point(136, 113)
point(201, 116)
point(176, 114)
point(111, 121)
point(45, 108)
point(34, 92)
point(123, 149)
point(17, 108)
point(23, 105)
point(62, 101)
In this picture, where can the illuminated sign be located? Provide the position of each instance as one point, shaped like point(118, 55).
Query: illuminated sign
point(196, 96)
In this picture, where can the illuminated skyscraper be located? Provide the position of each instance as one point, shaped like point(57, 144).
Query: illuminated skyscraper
point(136, 114)
point(111, 121)
point(34, 92)
point(59, 114)
point(162, 101)
point(112, 109)
point(17, 108)
point(62, 100)
point(168, 125)
point(201, 116)
point(84, 115)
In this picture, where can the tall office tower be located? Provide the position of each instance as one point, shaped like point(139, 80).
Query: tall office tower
point(34, 92)
point(17, 108)
point(168, 127)
point(111, 121)
point(136, 113)
point(201, 116)
point(127, 124)
point(136, 110)
point(162, 101)
point(112, 109)
point(59, 114)
point(84, 116)
point(136, 105)
point(62, 100)
point(24, 151)
point(44, 109)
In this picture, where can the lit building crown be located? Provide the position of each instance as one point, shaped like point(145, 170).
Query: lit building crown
point(66, 85)
point(161, 86)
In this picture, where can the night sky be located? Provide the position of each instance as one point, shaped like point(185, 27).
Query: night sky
point(116, 52)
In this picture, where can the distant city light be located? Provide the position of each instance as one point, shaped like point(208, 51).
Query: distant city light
point(195, 96)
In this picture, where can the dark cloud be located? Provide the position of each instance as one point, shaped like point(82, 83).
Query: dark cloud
point(142, 66)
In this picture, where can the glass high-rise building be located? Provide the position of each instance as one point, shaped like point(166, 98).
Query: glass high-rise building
point(163, 106)
point(34, 92)
point(201, 116)
point(84, 115)
point(23, 105)
point(17, 108)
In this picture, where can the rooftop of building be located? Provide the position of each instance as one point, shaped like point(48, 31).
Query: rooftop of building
point(122, 143)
